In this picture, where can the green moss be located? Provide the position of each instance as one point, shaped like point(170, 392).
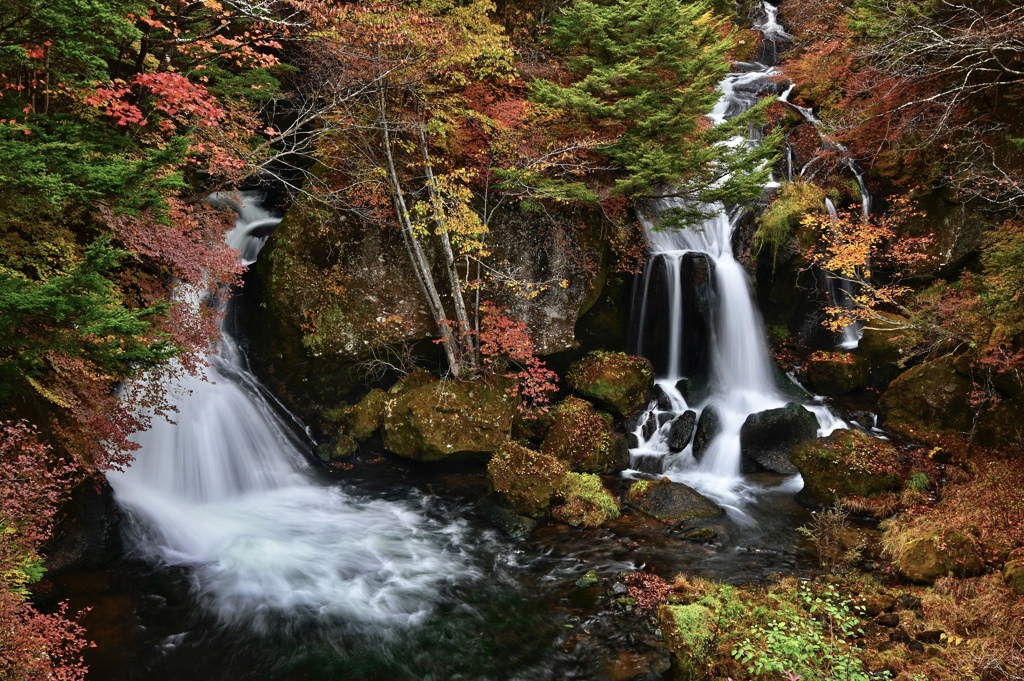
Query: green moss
point(582, 437)
point(527, 479)
point(918, 482)
point(586, 501)
point(846, 464)
point(781, 222)
point(689, 632)
point(616, 381)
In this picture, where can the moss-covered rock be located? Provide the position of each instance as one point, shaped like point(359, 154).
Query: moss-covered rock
point(584, 439)
point(1013, 573)
point(938, 554)
point(526, 479)
point(670, 501)
point(440, 419)
point(585, 501)
point(847, 463)
point(929, 399)
point(363, 419)
point(615, 381)
point(689, 632)
point(836, 373)
point(497, 510)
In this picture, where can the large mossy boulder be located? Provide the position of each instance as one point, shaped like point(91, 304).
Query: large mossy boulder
point(767, 436)
point(441, 419)
point(671, 502)
point(689, 632)
point(364, 418)
point(1013, 572)
point(527, 480)
point(938, 554)
point(836, 373)
point(615, 381)
point(583, 438)
point(585, 501)
point(927, 400)
point(844, 465)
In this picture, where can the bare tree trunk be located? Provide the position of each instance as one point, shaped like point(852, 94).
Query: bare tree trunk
point(458, 301)
point(418, 260)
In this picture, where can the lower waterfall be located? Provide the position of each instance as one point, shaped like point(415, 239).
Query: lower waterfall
point(227, 492)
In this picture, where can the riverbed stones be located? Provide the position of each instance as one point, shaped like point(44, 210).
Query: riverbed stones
point(681, 432)
point(709, 425)
point(442, 419)
point(836, 373)
point(583, 438)
point(767, 436)
point(671, 502)
point(846, 464)
point(615, 381)
point(526, 479)
point(938, 554)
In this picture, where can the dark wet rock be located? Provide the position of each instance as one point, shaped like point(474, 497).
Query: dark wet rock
point(847, 463)
point(670, 501)
point(908, 602)
point(766, 438)
point(664, 418)
point(836, 373)
point(632, 441)
point(582, 437)
point(873, 605)
point(938, 554)
point(89, 533)
point(526, 479)
point(886, 346)
point(697, 271)
point(620, 589)
point(441, 419)
point(681, 432)
point(661, 398)
point(500, 513)
point(915, 647)
point(931, 398)
point(615, 381)
point(700, 534)
point(709, 425)
point(900, 636)
point(890, 620)
point(650, 426)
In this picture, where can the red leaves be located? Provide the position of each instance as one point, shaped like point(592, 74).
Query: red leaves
point(504, 339)
point(179, 100)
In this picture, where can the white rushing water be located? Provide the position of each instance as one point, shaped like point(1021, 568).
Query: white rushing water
point(741, 380)
point(228, 493)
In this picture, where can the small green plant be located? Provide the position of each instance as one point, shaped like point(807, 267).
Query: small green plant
point(827, 532)
point(814, 643)
point(918, 482)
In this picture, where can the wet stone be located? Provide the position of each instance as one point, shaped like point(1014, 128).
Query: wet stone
point(682, 431)
point(661, 398)
point(589, 578)
point(932, 636)
point(708, 426)
point(889, 620)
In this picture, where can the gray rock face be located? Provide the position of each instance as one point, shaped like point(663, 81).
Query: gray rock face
point(682, 430)
point(766, 438)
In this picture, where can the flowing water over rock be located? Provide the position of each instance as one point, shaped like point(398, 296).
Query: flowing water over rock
point(738, 378)
point(226, 491)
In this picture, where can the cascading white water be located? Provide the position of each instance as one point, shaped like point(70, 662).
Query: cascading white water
point(742, 380)
point(226, 491)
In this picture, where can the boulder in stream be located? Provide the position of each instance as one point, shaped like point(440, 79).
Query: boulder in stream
point(526, 479)
point(585, 501)
point(930, 399)
point(682, 431)
point(767, 436)
point(670, 501)
point(583, 438)
point(709, 425)
point(616, 381)
point(846, 464)
point(440, 419)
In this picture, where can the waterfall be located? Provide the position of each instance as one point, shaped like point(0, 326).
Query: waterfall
point(741, 379)
point(227, 493)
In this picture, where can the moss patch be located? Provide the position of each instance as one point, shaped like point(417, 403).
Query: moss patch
point(846, 464)
point(583, 438)
point(616, 381)
point(525, 478)
point(586, 501)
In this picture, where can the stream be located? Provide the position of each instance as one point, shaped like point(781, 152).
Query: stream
point(245, 559)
